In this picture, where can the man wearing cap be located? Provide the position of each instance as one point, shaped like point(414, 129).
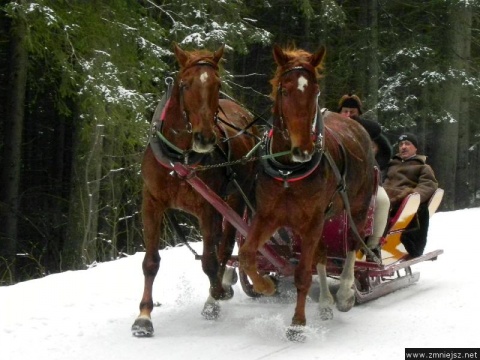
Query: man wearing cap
point(407, 173)
point(350, 106)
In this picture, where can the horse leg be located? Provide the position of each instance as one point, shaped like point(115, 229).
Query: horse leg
point(303, 281)
point(345, 294)
point(259, 233)
point(152, 219)
point(228, 275)
point(326, 300)
point(211, 225)
point(225, 276)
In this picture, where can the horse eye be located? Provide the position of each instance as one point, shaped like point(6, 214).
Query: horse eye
point(283, 91)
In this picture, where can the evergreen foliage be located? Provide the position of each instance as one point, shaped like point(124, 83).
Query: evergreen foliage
point(96, 70)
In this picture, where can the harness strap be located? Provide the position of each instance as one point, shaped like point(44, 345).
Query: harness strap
point(256, 116)
point(239, 130)
point(342, 190)
point(179, 232)
point(231, 175)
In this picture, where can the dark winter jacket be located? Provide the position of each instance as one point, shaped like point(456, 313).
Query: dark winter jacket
point(384, 153)
point(407, 176)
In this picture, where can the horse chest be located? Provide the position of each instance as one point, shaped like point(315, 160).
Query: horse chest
point(289, 205)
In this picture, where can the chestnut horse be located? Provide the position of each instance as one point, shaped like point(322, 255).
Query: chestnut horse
point(195, 128)
point(328, 154)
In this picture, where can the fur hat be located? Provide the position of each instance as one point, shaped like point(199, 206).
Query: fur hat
point(409, 137)
point(350, 101)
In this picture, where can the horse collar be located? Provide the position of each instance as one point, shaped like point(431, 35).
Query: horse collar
point(293, 172)
point(165, 152)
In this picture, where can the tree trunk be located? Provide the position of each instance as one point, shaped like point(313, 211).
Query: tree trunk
point(93, 174)
point(448, 130)
point(372, 55)
point(463, 52)
point(475, 173)
point(367, 73)
point(81, 246)
point(361, 67)
point(10, 170)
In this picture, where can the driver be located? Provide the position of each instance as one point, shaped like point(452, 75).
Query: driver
point(351, 106)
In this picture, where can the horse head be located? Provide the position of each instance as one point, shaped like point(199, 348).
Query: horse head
point(295, 91)
point(199, 87)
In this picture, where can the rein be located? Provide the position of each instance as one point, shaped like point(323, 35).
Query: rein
point(167, 153)
point(342, 190)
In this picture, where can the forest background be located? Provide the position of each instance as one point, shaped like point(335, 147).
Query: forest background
point(79, 81)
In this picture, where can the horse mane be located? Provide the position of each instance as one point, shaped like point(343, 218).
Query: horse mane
point(297, 57)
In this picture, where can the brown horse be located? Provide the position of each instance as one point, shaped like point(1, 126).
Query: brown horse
point(301, 190)
point(195, 128)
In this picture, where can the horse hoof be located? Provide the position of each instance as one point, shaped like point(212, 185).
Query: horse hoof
point(142, 327)
point(211, 311)
point(230, 276)
point(295, 333)
point(223, 292)
point(228, 293)
point(346, 305)
point(267, 287)
point(326, 314)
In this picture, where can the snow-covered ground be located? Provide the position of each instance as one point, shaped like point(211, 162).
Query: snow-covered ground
point(88, 314)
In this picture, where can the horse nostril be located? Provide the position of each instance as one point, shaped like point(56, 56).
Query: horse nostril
point(202, 143)
point(212, 139)
point(300, 156)
point(197, 137)
point(297, 152)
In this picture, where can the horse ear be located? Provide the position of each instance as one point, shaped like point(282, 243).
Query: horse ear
point(217, 55)
point(181, 55)
point(317, 58)
point(279, 56)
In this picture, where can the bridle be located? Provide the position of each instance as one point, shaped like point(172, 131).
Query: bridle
point(295, 171)
point(165, 151)
point(182, 85)
point(317, 123)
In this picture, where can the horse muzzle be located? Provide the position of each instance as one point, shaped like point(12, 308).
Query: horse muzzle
point(301, 156)
point(204, 143)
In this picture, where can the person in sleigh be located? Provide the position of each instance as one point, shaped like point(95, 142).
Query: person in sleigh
point(407, 173)
point(350, 106)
